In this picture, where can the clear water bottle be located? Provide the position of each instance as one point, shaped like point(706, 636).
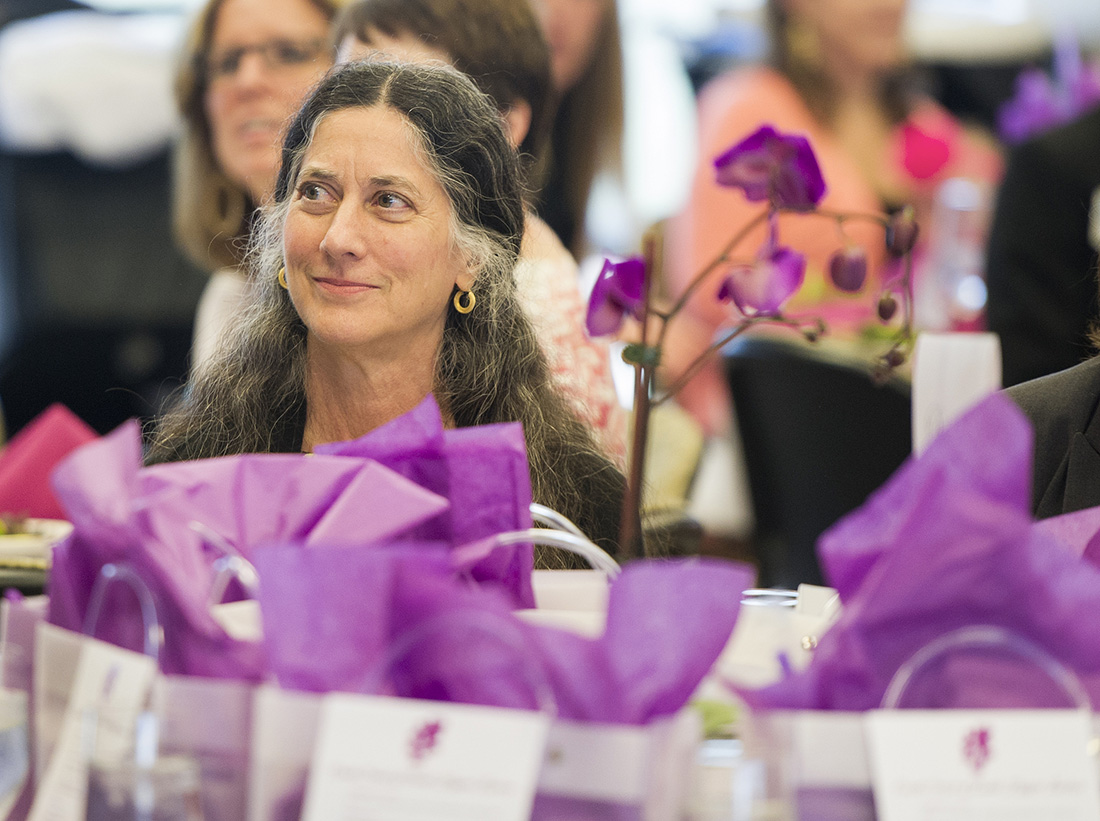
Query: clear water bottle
point(951, 291)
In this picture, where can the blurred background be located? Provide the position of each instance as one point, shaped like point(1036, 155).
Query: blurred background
point(97, 303)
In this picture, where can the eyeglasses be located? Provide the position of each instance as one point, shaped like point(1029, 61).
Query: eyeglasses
point(276, 54)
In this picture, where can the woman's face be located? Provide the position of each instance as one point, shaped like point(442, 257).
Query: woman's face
point(370, 261)
point(865, 35)
point(571, 28)
point(264, 56)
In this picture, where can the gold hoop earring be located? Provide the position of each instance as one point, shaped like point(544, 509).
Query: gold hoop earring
point(282, 279)
point(471, 301)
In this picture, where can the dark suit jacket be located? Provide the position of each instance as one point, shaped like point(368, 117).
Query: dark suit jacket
point(1040, 268)
point(1064, 409)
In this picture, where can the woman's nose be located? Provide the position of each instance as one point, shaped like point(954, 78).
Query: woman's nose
point(346, 234)
point(252, 71)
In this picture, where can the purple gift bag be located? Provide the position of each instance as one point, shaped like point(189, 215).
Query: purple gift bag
point(482, 470)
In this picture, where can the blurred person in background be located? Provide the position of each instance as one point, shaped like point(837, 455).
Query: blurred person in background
point(97, 303)
point(499, 45)
point(245, 68)
point(623, 141)
point(837, 75)
point(586, 66)
point(1042, 255)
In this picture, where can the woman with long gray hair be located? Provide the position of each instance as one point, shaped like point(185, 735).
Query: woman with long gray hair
point(384, 272)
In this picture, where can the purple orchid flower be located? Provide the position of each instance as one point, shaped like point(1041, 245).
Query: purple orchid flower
point(761, 288)
point(1041, 103)
point(617, 292)
point(1079, 81)
point(1084, 93)
point(779, 168)
point(1035, 107)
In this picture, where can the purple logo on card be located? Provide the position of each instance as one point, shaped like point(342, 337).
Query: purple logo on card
point(976, 748)
point(424, 740)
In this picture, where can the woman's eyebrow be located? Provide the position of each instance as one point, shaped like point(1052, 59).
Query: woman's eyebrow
point(317, 173)
point(394, 181)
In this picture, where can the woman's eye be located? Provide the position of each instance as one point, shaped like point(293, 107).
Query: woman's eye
point(391, 201)
point(315, 197)
point(311, 191)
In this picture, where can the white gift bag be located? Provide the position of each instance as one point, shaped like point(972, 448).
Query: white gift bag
point(89, 700)
point(613, 771)
point(807, 763)
point(14, 748)
point(209, 721)
point(19, 620)
point(204, 721)
point(284, 732)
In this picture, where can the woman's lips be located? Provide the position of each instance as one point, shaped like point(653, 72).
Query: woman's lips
point(257, 130)
point(343, 285)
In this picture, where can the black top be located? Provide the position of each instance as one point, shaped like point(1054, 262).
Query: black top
point(552, 202)
point(1041, 270)
point(1063, 408)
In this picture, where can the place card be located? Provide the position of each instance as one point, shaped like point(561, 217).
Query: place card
point(392, 759)
point(957, 765)
point(14, 748)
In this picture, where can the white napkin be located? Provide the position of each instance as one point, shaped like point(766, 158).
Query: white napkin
point(951, 372)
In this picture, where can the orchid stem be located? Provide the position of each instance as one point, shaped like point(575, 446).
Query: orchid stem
point(907, 329)
point(723, 255)
point(630, 534)
point(738, 238)
point(844, 216)
point(701, 359)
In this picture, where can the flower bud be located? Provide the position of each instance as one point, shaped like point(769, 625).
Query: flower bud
point(901, 232)
point(848, 268)
point(887, 307)
point(893, 358)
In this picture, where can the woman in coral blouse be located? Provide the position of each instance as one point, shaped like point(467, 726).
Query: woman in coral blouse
point(838, 78)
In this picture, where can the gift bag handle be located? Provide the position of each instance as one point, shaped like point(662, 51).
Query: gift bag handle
point(986, 636)
point(591, 552)
point(486, 623)
point(110, 574)
point(229, 566)
point(147, 728)
point(548, 517)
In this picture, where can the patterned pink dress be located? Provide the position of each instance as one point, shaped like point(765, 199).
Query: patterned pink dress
point(581, 367)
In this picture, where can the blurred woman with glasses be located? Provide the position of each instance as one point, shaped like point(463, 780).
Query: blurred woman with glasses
point(245, 68)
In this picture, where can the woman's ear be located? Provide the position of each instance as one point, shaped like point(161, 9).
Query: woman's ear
point(517, 121)
point(465, 281)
